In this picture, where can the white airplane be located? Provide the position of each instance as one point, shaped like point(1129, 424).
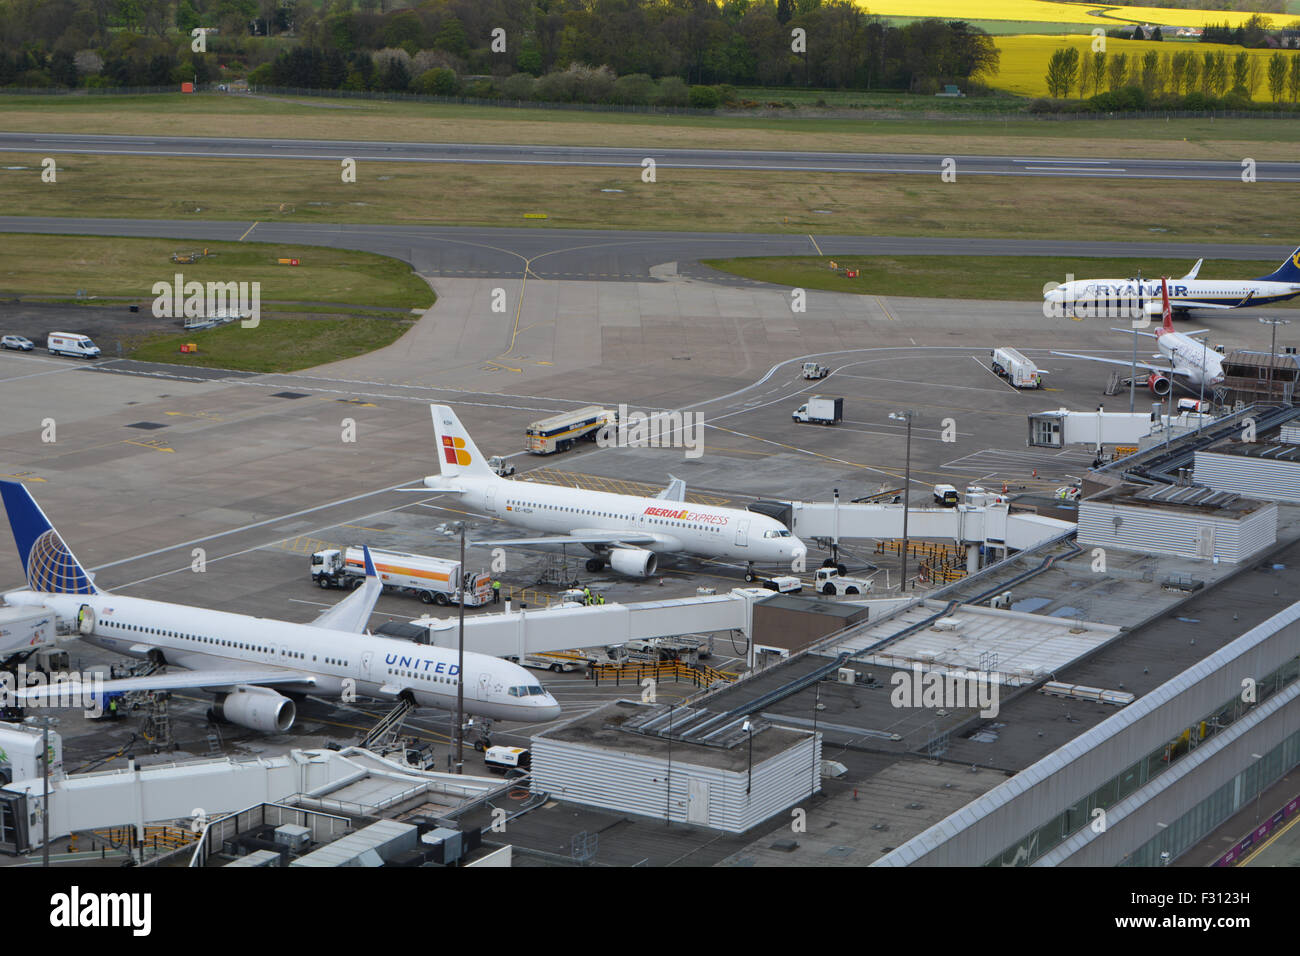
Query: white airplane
point(1195, 363)
point(246, 661)
point(1134, 297)
point(625, 531)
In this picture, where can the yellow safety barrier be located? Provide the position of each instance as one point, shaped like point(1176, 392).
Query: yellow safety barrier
point(530, 596)
point(634, 672)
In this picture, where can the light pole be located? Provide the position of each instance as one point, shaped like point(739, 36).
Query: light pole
point(907, 487)
point(749, 729)
point(460, 663)
point(1272, 350)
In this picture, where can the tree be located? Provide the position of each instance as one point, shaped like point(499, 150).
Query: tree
point(1241, 71)
point(1098, 70)
point(784, 11)
point(1254, 76)
point(1207, 73)
point(1150, 71)
point(1293, 78)
point(1118, 71)
point(1191, 70)
point(1276, 76)
point(1061, 71)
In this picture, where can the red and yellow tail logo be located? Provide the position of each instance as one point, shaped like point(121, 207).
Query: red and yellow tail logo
point(453, 450)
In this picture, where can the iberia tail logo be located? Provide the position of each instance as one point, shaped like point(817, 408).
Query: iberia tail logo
point(453, 449)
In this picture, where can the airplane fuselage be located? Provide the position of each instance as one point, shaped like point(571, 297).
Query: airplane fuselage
point(330, 661)
point(1125, 296)
point(1194, 359)
point(679, 526)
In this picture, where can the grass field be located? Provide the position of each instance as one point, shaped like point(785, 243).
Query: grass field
point(59, 266)
point(1051, 12)
point(682, 200)
point(276, 345)
point(1023, 65)
point(312, 118)
point(1012, 278)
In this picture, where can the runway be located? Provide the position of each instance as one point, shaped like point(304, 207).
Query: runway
point(720, 160)
point(606, 255)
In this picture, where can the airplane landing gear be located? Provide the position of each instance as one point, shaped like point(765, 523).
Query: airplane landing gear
point(749, 571)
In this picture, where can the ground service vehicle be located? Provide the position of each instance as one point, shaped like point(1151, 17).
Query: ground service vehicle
point(561, 432)
point(434, 580)
point(25, 627)
point(21, 748)
point(813, 370)
point(71, 343)
point(1016, 369)
point(787, 584)
point(502, 467)
point(503, 759)
point(947, 496)
point(16, 342)
point(830, 581)
point(820, 409)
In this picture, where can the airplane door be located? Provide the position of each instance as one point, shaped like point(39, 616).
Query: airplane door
point(489, 688)
point(365, 664)
point(742, 534)
point(490, 500)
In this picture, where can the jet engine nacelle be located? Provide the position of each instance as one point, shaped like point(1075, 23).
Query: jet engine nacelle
point(634, 562)
point(257, 708)
point(1159, 384)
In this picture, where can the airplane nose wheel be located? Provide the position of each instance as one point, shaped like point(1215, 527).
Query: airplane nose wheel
point(749, 571)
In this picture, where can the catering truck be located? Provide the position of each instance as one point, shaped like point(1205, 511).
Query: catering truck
point(433, 580)
point(1016, 369)
point(822, 409)
point(562, 432)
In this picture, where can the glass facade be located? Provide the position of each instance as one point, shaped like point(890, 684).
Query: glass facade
point(1078, 815)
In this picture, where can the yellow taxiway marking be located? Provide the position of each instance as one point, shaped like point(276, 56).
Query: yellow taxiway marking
point(23, 476)
point(881, 302)
point(814, 242)
point(205, 416)
point(250, 229)
point(506, 368)
point(1267, 843)
point(354, 401)
point(543, 363)
point(156, 445)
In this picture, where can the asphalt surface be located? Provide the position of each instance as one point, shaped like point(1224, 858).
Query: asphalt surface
point(711, 159)
point(606, 255)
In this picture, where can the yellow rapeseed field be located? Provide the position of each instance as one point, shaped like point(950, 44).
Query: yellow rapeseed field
point(1043, 11)
point(1023, 66)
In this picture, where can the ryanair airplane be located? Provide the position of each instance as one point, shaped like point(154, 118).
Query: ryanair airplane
point(1134, 297)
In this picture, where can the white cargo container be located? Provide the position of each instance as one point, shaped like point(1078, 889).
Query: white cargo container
point(23, 627)
point(1016, 369)
point(433, 580)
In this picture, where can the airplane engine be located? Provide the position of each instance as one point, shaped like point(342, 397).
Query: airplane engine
point(257, 708)
point(634, 562)
point(1159, 384)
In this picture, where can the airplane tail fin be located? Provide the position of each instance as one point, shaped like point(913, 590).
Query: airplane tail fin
point(457, 453)
point(1288, 271)
point(48, 564)
point(1195, 269)
point(1166, 310)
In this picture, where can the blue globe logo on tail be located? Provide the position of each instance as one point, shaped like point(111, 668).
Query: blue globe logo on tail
point(49, 565)
point(52, 568)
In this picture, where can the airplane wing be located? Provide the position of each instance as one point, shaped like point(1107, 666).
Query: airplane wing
point(676, 490)
point(183, 680)
point(591, 536)
point(352, 614)
point(1162, 369)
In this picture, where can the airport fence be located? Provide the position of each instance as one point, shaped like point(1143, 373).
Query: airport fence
point(634, 672)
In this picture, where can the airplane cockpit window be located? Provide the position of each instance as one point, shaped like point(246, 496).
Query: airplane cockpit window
point(535, 690)
point(781, 533)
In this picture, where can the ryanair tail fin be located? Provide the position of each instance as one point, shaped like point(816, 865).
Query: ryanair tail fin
point(457, 453)
point(48, 564)
point(1288, 271)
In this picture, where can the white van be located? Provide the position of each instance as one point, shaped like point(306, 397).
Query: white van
point(71, 343)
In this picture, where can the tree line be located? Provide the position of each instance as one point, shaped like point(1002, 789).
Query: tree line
point(1182, 79)
point(435, 45)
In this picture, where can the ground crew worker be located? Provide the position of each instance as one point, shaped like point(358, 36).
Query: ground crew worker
point(496, 592)
point(600, 599)
point(586, 595)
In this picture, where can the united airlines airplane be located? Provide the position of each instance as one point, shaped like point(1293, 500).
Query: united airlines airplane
point(1193, 362)
point(247, 661)
point(1130, 297)
point(624, 531)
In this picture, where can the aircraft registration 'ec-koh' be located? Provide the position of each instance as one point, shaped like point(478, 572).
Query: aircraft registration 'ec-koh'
point(624, 531)
point(252, 663)
point(1136, 297)
point(1192, 362)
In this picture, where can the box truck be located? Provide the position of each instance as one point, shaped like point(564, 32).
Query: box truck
point(434, 580)
point(821, 409)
